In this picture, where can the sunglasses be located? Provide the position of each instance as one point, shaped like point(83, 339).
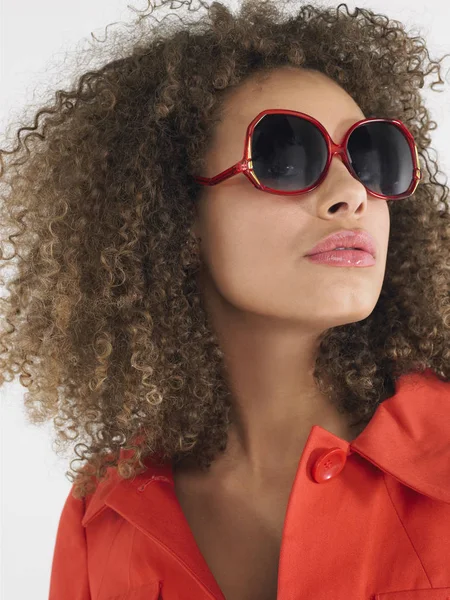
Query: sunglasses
point(289, 152)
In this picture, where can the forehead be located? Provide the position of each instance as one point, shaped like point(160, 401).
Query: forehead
point(307, 91)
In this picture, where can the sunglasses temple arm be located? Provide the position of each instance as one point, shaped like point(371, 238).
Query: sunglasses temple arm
point(239, 167)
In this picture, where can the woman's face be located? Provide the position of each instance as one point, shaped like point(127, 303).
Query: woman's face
point(253, 244)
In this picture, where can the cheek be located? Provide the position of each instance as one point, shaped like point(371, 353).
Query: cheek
point(380, 227)
point(242, 251)
point(249, 256)
point(249, 235)
point(238, 226)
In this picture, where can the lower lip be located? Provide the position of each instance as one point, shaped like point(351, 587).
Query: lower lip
point(344, 258)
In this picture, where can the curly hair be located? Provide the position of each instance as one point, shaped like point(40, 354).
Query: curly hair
point(104, 321)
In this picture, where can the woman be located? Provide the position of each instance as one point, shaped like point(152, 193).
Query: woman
point(219, 362)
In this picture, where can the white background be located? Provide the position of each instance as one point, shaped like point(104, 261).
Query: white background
point(35, 40)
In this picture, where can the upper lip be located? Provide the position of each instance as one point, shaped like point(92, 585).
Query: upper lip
point(346, 238)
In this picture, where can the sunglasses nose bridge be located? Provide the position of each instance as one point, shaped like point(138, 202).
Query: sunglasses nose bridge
point(338, 150)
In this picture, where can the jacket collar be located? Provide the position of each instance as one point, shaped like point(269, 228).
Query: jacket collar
point(408, 437)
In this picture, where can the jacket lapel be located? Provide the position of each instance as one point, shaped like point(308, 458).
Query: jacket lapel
point(150, 504)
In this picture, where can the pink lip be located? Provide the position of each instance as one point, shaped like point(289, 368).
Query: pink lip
point(348, 238)
point(343, 258)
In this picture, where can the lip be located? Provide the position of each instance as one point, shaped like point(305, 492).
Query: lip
point(348, 238)
point(343, 258)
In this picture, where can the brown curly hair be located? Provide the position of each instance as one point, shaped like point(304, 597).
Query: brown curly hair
point(104, 321)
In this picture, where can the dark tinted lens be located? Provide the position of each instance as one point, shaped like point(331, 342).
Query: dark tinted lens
point(381, 157)
point(288, 153)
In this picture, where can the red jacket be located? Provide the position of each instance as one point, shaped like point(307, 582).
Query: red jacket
point(366, 520)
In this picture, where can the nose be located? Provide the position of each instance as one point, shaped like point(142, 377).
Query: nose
point(340, 182)
point(341, 169)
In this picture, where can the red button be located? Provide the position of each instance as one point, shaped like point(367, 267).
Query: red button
point(329, 464)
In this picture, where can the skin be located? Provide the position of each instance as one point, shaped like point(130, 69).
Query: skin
point(267, 302)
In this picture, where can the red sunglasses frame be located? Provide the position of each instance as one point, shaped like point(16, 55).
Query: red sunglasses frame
point(245, 165)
